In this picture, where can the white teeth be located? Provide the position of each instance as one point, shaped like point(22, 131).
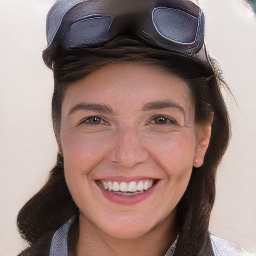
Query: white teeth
point(150, 184)
point(105, 185)
point(123, 187)
point(115, 186)
point(146, 185)
point(140, 185)
point(109, 185)
point(132, 187)
point(127, 188)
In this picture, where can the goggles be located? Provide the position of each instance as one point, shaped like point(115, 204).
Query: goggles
point(173, 25)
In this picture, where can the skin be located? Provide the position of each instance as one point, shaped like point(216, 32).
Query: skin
point(129, 141)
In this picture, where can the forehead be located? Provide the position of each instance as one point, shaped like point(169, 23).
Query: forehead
point(130, 76)
point(126, 85)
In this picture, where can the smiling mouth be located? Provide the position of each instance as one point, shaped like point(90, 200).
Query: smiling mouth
point(127, 188)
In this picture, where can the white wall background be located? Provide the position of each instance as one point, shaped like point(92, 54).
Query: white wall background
point(27, 144)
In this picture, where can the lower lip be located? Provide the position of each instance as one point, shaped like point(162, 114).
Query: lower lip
point(125, 199)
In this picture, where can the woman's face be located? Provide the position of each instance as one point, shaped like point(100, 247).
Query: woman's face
point(129, 141)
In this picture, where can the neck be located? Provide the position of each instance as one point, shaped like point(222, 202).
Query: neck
point(92, 242)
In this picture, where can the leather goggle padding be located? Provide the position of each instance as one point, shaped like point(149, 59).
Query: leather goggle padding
point(56, 15)
point(62, 7)
point(173, 25)
point(71, 23)
point(83, 33)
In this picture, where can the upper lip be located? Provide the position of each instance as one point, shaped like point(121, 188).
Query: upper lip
point(125, 179)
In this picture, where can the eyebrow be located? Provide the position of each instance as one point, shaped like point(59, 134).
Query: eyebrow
point(163, 104)
point(104, 109)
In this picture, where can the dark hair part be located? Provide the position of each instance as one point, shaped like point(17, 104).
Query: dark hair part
point(53, 204)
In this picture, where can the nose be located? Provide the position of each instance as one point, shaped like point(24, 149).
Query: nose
point(127, 149)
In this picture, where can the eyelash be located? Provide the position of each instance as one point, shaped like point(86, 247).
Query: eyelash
point(169, 121)
point(87, 121)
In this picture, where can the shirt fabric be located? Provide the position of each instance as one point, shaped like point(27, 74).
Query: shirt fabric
point(221, 247)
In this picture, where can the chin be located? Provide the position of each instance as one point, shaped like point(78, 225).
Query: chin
point(128, 232)
point(125, 227)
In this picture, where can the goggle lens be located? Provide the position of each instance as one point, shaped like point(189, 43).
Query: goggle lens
point(175, 25)
point(90, 31)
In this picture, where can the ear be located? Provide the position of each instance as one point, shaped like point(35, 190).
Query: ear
point(203, 136)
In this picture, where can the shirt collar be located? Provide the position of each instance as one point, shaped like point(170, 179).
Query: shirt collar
point(59, 243)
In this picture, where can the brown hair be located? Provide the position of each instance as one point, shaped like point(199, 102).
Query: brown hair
point(53, 204)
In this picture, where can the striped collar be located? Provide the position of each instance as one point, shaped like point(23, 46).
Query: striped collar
point(217, 246)
point(59, 243)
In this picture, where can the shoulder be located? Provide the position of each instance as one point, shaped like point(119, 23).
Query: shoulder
point(52, 242)
point(222, 247)
point(40, 248)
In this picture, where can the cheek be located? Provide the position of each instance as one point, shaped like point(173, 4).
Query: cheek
point(174, 153)
point(175, 156)
point(82, 153)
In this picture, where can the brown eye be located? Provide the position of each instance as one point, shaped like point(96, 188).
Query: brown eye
point(161, 120)
point(94, 120)
point(164, 120)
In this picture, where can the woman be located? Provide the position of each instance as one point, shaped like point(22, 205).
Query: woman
point(141, 128)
